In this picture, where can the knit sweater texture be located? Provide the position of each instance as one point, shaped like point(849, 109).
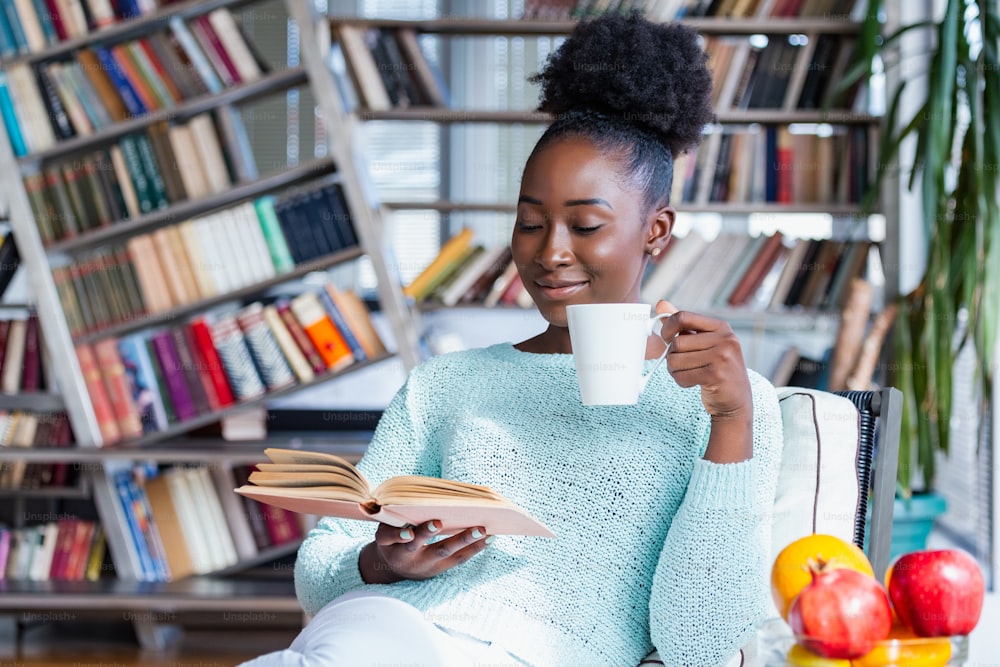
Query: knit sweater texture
point(655, 546)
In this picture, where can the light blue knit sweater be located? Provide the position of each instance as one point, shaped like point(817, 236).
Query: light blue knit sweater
point(655, 546)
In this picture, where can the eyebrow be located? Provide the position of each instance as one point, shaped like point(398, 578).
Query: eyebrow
point(596, 201)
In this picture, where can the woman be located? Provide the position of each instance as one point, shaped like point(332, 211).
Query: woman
point(660, 508)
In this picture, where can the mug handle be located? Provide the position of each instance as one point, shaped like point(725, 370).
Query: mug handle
point(645, 378)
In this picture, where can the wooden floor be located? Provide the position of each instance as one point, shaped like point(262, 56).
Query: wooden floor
point(103, 644)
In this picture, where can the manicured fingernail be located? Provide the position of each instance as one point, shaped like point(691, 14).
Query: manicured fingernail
point(406, 534)
point(489, 540)
point(476, 534)
point(434, 526)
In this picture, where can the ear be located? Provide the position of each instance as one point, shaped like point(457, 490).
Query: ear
point(660, 228)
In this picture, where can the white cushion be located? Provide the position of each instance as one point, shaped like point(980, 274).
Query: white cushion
point(818, 489)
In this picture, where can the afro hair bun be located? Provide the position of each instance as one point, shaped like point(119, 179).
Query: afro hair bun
point(648, 74)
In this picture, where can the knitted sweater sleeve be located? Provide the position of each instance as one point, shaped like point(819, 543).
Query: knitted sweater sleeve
point(709, 588)
point(327, 562)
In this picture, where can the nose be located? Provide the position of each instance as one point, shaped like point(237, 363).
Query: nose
point(556, 248)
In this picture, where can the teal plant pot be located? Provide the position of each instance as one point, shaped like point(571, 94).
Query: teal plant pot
point(912, 521)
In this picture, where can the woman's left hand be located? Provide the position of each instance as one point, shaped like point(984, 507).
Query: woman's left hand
point(704, 351)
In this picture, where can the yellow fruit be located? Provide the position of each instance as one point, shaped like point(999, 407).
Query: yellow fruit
point(800, 656)
point(903, 648)
point(791, 571)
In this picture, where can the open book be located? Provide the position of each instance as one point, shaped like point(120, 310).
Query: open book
point(327, 485)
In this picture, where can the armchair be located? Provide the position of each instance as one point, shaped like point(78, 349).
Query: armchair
point(837, 475)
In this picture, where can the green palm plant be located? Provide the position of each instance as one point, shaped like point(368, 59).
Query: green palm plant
point(957, 132)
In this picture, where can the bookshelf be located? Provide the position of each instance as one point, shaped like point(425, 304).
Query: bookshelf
point(229, 589)
point(320, 217)
point(804, 55)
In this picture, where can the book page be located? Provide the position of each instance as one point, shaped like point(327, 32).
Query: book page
point(431, 487)
point(333, 462)
point(311, 478)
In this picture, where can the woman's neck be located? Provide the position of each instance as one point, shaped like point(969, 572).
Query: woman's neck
point(554, 340)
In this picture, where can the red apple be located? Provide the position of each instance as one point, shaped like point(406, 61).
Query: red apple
point(937, 593)
point(841, 614)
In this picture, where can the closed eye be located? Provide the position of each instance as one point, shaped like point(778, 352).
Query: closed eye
point(527, 227)
point(587, 230)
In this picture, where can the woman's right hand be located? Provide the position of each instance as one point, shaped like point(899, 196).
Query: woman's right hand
point(403, 553)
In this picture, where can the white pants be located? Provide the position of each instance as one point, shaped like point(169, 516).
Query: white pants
point(362, 629)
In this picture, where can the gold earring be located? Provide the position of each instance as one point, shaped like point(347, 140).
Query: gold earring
point(654, 252)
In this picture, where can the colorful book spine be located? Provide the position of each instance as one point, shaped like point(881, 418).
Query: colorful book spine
point(264, 349)
point(289, 348)
point(14, 21)
point(5, 541)
point(191, 372)
point(10, 121)
point(240, 369)
point(173, 375)
point(31, 375)
point(95, 557)
point(329, 343)
point(137, 175)
point(65, 535)
point(152, 171)
point(340, 215)
point(119, 390)
point(121, 480)
point(147, 527)
point(283, 306)
point(339, 321)
point(208, 39)
point(161, 382)
point(253, 509)
point(282, 525)
point(277, 245)
point(116, 74)
point(8, 46)
point(206, 387)
point(142, 380)
point(99, 400)
point(194, 53)
point(212, 363)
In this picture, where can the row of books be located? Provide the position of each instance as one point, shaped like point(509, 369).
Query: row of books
point(68, 549)
point(10, 260)
point(186, 520)
point(785, 72)
point(106, 84)
point(763, 272)
point(774, 164)
point(851, 363)
point(667, 10)
point(145, 382)
point(19, 428)
point(386, 68)
point(22, 356)
point(203, 257)
point(466, 272)
point(138, 174)
point(28, 26)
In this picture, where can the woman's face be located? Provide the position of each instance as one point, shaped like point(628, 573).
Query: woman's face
point(582, 234)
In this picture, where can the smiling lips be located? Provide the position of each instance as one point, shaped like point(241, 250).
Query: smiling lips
point(557, 290)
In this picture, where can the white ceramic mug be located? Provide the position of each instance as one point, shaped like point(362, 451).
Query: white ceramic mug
point(609, 347)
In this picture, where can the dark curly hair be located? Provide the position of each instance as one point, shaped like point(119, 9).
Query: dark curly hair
point(632, 86)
